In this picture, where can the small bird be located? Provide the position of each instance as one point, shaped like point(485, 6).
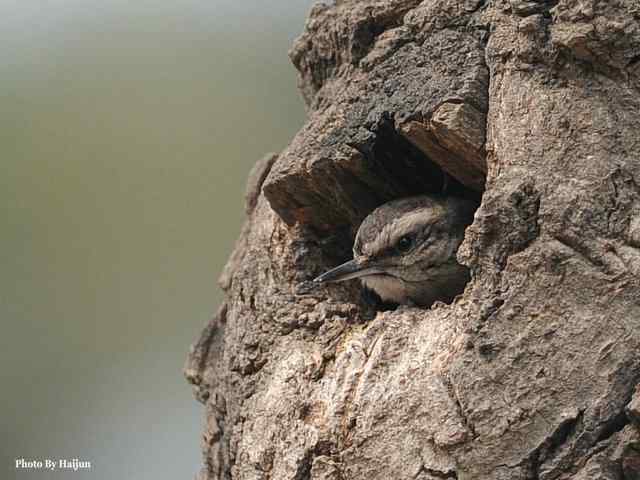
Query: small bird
point(405, 250)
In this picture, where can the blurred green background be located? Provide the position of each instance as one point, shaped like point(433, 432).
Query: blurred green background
point(126, 132)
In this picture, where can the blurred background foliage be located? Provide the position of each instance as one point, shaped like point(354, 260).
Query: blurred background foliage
point(126, 132)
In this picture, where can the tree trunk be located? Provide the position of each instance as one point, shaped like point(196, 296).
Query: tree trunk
point(532, 372)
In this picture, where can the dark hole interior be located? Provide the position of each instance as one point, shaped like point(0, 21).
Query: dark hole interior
point(412, 172)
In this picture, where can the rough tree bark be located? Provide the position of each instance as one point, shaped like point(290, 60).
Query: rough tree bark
point(532, 372)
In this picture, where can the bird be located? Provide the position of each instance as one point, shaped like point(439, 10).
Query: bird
point(405, 250)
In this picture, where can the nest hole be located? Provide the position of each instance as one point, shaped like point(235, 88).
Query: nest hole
point(393, 168)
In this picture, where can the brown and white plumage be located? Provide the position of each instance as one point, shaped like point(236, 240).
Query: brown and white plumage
point(405, 250)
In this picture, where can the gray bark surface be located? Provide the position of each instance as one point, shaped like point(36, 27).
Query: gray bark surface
point(532, 373)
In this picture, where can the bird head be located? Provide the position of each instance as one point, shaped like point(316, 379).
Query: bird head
point(407, 243)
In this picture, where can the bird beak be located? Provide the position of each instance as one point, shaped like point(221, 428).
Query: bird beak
point(347, 271)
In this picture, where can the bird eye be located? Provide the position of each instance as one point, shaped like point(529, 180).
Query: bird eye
point(404, 244)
